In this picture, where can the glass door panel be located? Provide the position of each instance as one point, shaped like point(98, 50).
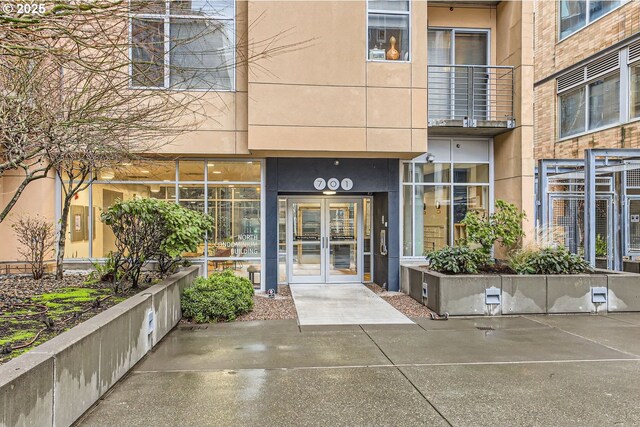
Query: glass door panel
point(343, 241)
point(306, 237)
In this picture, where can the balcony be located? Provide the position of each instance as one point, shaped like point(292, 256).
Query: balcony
point(470, 99)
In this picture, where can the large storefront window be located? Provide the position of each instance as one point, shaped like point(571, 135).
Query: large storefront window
point(229, 191)
point(437, 195)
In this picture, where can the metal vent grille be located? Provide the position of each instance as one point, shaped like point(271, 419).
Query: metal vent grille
point(604, 64)
point(570, 79)
point(634, 51)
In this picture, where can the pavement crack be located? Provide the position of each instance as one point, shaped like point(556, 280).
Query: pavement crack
point(426, 399)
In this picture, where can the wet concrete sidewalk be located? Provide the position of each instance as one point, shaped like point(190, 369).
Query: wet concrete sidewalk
point(508, 371)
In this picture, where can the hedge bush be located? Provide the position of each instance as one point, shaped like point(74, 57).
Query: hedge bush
point(457, 260)
point(219, 297)
point(551, 260)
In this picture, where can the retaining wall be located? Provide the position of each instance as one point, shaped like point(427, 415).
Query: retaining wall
point(56, 382)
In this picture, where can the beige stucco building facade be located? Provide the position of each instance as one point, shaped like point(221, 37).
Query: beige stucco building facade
point(419, 139)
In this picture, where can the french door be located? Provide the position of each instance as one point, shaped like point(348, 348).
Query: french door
point(324, 240)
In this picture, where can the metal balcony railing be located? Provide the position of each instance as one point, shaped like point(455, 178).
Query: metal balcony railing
point(470, 96)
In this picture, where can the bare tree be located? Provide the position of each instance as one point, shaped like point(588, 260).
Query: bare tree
point(71, 102)
point(37, 237)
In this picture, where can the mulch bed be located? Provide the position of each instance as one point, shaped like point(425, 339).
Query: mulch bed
point(265, 308)
point(401, 302)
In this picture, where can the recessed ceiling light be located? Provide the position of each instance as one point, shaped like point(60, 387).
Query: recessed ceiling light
point(217, 172)
point(144, 171)
point(329, 193)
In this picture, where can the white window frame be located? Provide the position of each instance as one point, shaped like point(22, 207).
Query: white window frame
point(623, 70)
point(166, 18)
point(387, 12)
point(588, 21)
point(454, 31)
point(630, 65)
point(450, 185)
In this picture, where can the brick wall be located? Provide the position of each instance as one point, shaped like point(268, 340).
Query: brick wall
point(553, 56)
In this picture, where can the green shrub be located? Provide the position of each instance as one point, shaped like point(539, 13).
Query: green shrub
point(221, 296)
point(106, 272)
point(551, 260)
point(457, 260)
point(601, 247)
point(184, 230)
point(147, 229)
point(504, 226)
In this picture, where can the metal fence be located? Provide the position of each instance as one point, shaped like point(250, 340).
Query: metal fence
point(470, 93)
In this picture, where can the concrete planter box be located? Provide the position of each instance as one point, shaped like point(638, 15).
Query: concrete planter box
point(623, 292)
point(468, 295)
point(461, 295)
point(524, 294)
point(56, 382)
point(572, 293)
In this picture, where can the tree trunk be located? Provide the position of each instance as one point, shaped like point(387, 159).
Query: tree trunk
point(62, 237)
point(16, 195)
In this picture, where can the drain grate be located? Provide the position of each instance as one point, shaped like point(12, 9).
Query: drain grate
point(485, 328)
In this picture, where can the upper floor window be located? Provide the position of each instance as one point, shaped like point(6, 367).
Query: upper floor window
point(388, 30)
point(575, 14)
point(590, 97)
point(183, 44)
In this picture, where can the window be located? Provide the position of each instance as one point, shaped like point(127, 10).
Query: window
point(183, 44)
point(388, 30)
point(635, 91)
point(572, 112)
point(591, 97)
point(437, 196)
point(575, 14)
point(604, 106)
point(448, 86)
point(604, 101)
point(230, 191)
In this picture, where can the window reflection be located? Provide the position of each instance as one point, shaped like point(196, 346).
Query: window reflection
point(236, 208)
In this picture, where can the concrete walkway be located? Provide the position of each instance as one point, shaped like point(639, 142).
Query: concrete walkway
point(343, 304)
point(509, 371)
